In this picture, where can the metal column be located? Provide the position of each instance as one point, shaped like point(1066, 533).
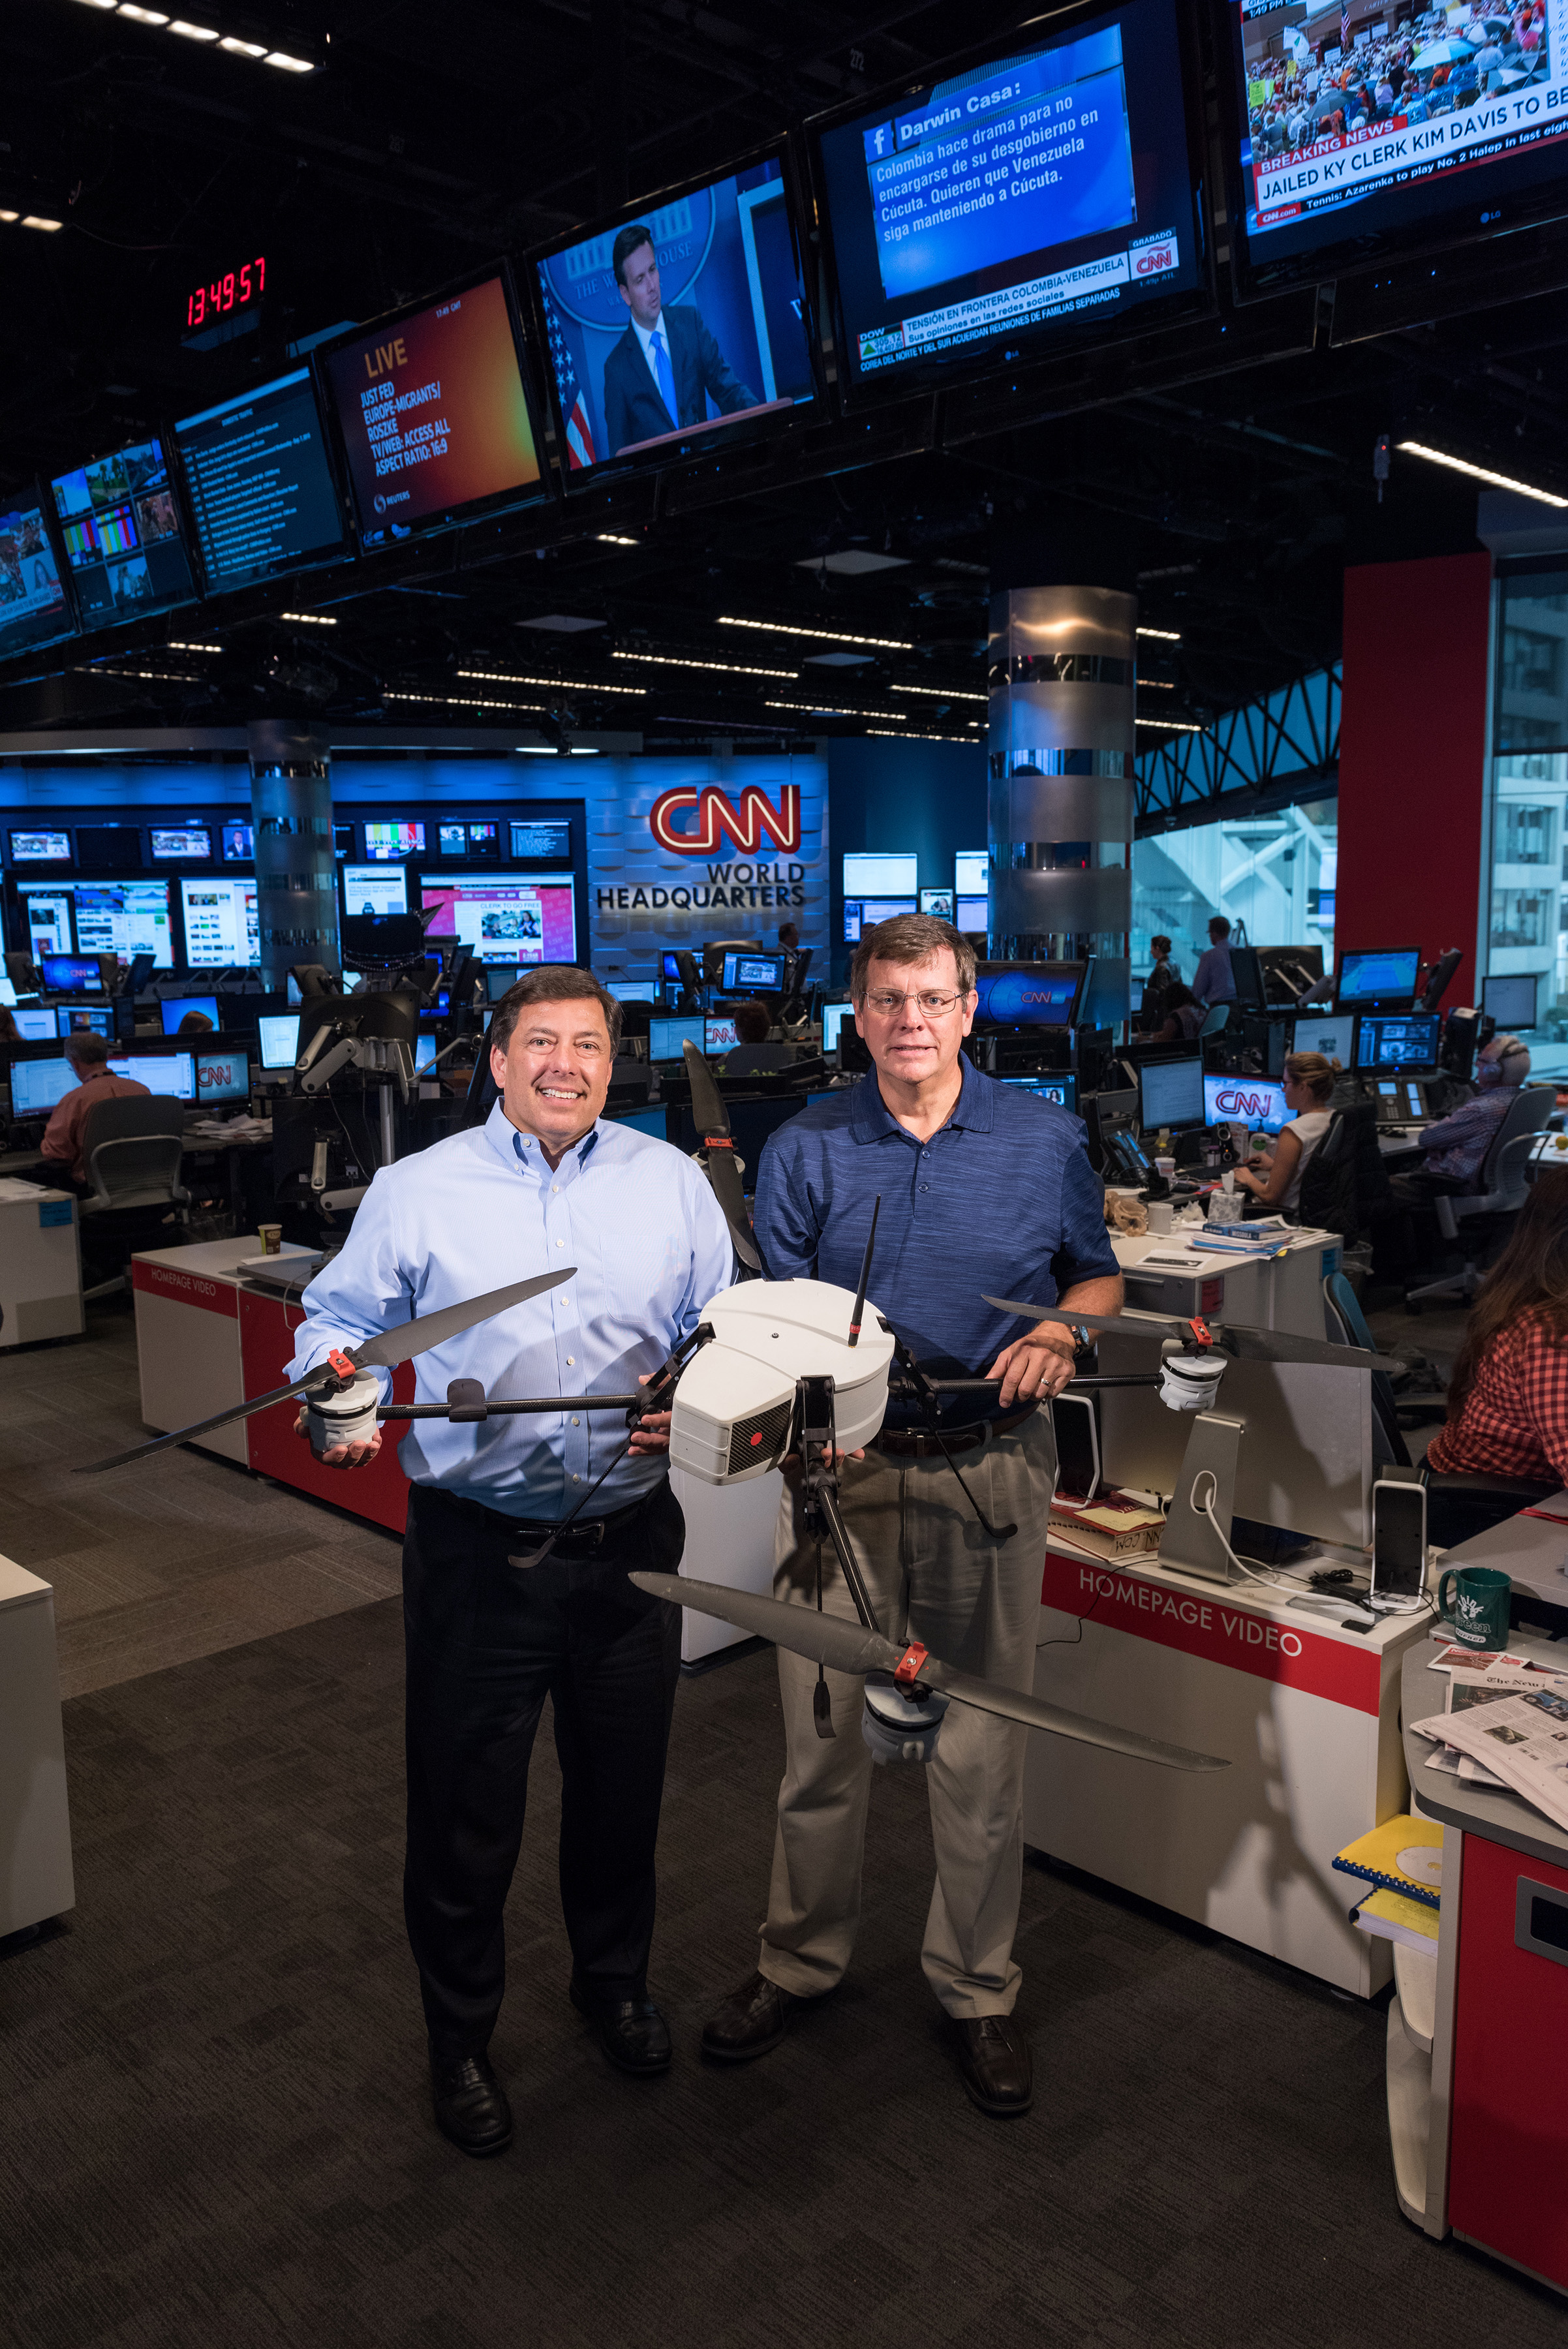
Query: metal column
point(297, 876)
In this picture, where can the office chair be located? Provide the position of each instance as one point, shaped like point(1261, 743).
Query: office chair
point(1460, 1506)
point(1344, 1325)
point(131, 1149)
point(1215, 1019)
point(1499, 1193)
point(1404, 1396)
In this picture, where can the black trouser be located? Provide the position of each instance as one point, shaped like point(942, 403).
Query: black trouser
point(486, 1642)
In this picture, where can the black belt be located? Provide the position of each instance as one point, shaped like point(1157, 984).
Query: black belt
point(920, 1443)
point(585, 1534)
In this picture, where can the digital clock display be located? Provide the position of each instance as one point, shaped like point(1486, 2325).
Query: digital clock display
point(236, 289)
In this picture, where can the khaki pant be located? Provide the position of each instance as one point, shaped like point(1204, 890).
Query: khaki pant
point(933, 1573)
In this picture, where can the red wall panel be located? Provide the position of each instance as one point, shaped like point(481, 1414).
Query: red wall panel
point(1412, 752)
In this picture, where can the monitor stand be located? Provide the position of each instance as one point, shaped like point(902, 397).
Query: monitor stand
point(1189, 1542)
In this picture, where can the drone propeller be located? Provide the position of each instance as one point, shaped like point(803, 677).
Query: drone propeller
point(393, 1346)
point(850, 1648)
point(1233, 1337)
point(719, 1154)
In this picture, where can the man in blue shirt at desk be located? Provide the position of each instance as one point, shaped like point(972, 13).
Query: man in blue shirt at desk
point(982, 1188)
point(545, 1184)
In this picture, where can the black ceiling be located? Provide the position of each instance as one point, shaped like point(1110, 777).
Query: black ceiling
point(436, 138)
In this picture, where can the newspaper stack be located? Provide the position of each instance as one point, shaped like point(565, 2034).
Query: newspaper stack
point(1507, 1728)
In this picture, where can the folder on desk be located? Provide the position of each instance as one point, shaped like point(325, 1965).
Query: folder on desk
point(1403, 1856)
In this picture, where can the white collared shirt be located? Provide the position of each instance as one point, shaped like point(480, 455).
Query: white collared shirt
point(645, 336)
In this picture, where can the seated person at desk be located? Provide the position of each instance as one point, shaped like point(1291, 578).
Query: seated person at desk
point(753, 1055)
point(1309, 1088)
point(195, 1023)
point(9, 1032)
point(1452, 1151)
point(1508, 1399)
point(1213, 981)
point(62, 1146)
point(1184, 1017)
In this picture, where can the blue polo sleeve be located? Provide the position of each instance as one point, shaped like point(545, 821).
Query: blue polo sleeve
point(1085, 1252)
point(785, 1220)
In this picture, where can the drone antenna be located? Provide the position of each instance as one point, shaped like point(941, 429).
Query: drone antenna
point(865, 1273)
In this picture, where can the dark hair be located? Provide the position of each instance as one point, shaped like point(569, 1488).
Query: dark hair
point(752, 1022)
point(625, 245)
point(1178, 996)
point(910, 939)
point(195, 1023)
point(553, 982)
point(1221, 925)
point(88, 1050)
point(788, 935)
point(1159, 946)
point(1530, 1276)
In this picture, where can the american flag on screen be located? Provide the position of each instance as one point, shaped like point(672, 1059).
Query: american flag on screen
point(579, 431)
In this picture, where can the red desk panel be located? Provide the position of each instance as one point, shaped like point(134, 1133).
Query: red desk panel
point(378, 1491)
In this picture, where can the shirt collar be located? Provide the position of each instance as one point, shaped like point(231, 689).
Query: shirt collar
point(645, 334)
point(514, 1149)
point(872, 1120)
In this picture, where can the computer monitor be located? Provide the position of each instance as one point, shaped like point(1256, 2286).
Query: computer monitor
point(500, 978)
point(636, 990)
point(375, 888)
point(36, 1024)
point(1062, 1090)
point(881, 872)
point(1247, 977)
point(222, 1072)
point(1029, 995)
point(973, 915)
point(746, 973)
point(862, 913)
point(665, 1037)
point(1376, 978)
point(834, 1016)
point(71, 974)
point(175, 1008)
point(38, 1086)
point(170, 1073)
point(503, 917)
point(1170, 1093)
point(938, 903)
point(670, 967)
point(972, 873)
point(1397, 1040)
point(261, 484)
point(94, 1019)
point(40, 848)
point(401, 837)
point(1332, 1033)
point(222, 929)
point(1253, 1102)
point(720, 1034)
point(121, 531)
point(539, 839)
point(119, 917)
point(1508, 998)
point(188, 840)
point(138, 970)
point(277, 1039)
point(237, 839)
point(425, 1049)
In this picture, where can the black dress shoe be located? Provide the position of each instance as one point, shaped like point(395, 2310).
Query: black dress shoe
point(997, 2067)
point(471, 2105)
point(632, 2032)
point(750, 2021)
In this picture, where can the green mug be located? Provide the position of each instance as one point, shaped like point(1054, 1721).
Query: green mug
point(1478, 1612)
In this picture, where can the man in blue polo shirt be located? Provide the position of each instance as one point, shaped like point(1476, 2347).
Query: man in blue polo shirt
point(982, 1188)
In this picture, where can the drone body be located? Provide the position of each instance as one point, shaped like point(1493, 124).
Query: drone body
point(736, 1402)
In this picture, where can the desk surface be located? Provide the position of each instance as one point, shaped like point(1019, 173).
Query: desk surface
point(1494, 1812)
point(1532, 1551)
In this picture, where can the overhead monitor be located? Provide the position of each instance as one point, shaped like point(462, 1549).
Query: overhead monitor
point(677, 315)
point(71, 974)
point(862, 914)
point(434, 414)
point(451, 840)
point(1508, 998)
point(1257, 1103)
point(941, 904)
point(1170, 1093)
point(834, 1016)
point(177, 1008)
point(745, 974)
point(973, 915)
point(484, 839)
point(35, 1023)
point(121, 531)
point(1397, 1040)
point(277, 1039)
point(261, 484)
point(191, 840)
point(505, 918)
point(375, 888)
point(1029, 995)
point(111, 847)
point(972, 871)
point(40, 848)
point(39, 1086)
point(1039, 195)
point(541, 840)
point(500, 978)
point(1432, 131)
point(76, 1018)
point(222, 1072)
point(123, 918)
point(222, 930)
point(1062, 1092)
point(720, 1034)
point(1376, 978)
point(402, 836)
point(1332, 1033)
point(237, 848)
point(33, 606)
point(171, 1074)
point(881, 873)
point(665, 1037)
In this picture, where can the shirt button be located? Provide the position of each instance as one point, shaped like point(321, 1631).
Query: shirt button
point(576, 1421)
point(571, 1362)
point(555, 1186)
point(577, 1480)
point(560, 1243)
point(925, 1186)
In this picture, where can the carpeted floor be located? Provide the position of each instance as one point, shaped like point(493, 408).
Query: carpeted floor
point(213, 2131)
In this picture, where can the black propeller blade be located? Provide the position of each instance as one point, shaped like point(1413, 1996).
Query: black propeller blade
point(719, 1154)
point(848, 1648)
point(393, 1346)
point(1234, 1338)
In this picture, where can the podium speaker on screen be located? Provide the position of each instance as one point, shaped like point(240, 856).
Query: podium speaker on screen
point(660, 375)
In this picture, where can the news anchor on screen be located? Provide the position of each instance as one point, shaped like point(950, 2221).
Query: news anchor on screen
point(657, 374)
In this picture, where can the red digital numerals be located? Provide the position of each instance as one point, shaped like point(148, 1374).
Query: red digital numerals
point(234, 291)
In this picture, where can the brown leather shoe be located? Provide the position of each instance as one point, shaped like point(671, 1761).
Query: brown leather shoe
point(750, 2021)
point(997, 2067)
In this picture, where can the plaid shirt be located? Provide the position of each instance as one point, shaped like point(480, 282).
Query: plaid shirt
point(1514, 1420)
point(1456, 1145)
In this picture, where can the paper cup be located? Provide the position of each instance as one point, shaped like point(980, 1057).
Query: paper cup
point(271, 1238)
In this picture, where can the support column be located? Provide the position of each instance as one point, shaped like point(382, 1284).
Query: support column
point(297, 875)
point(1060, 813)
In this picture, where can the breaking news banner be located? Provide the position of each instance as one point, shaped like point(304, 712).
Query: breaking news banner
point(1472, 88)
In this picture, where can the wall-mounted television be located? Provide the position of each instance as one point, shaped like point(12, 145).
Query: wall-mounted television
point(375, 888)
point(124, 918)
point(40, 848)
point(33, 606)
point(122, 538)
point(222, 930)
point(261, 484)
point(182, 840)
point(505, 918)
point(1037, 194)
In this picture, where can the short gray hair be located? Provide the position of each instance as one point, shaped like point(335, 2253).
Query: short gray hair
point(910, 939)
point(553, 982)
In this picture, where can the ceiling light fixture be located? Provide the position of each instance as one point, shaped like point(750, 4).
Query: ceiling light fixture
point(243, 49)
point(141, 16)
point(193, 32)
point(285, 64)
point(36, 220)
point(1158, 684)
point(1478, 472)
point(10, 216)
point(828, 709)
point(816, 636)
point(613, 538)
point(725, 669)
point(1166, 635)
point(310, 619)
point(101, 3)
point(553, 684)
point(174, 645)
point(1171, 725)
point(460, 701)
point(940, 693)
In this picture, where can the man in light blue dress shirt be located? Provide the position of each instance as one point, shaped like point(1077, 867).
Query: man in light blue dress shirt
point(546, 1183)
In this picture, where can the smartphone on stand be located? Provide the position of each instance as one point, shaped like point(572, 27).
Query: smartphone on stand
point(1398, 1547)
point(1077, 1447)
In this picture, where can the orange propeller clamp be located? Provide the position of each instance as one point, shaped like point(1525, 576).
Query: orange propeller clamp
point(906, 1671)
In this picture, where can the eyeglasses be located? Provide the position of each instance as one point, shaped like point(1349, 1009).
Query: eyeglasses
point(935, 1003)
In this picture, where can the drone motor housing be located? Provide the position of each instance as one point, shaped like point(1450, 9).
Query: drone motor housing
point(901, 1725)
point(346, 1418)
point(736, 1402)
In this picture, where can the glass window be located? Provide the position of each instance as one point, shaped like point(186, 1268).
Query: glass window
point(1273, 876)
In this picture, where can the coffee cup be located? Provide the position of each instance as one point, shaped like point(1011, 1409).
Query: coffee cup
point(1161, 1214)
point(1475, 1608)
point(271, 1238)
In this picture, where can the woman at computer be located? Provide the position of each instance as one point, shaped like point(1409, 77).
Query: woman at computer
point(1184, 1016)
point(1508, 1399)
point(1277, 1186)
